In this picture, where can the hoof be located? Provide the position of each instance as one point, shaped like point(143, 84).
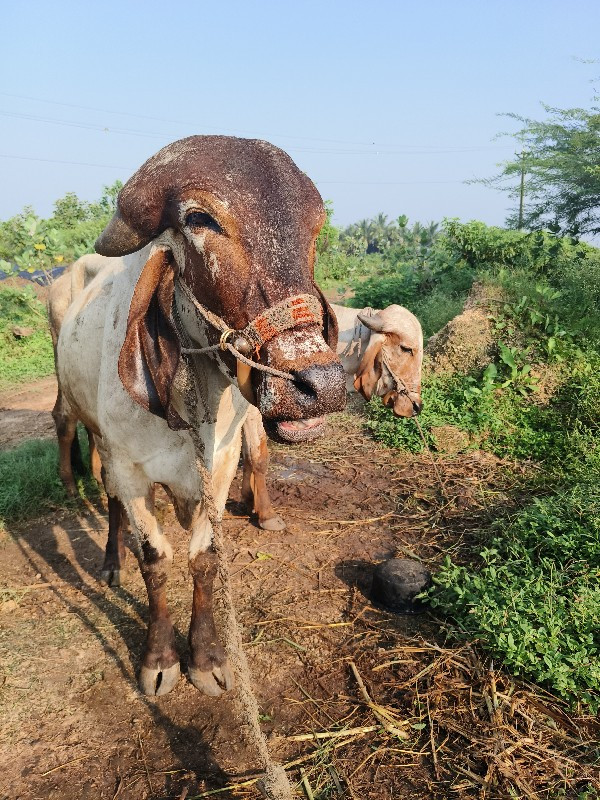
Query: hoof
point(154, 681)
point(272, 524)
point(111, 577)
point(212, 682)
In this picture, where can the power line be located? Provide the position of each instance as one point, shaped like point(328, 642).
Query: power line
point(424, 148)
point(83, 125)
point(318, 182)
point(72, 163)
point(166, 137)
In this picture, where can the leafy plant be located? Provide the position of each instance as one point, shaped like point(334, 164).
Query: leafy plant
point(519, 377)
point(29, 243)
point(534, 596)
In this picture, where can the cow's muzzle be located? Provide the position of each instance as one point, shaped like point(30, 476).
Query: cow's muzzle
point(403, 403)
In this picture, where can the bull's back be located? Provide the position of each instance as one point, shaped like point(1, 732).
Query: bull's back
point(347, 325)
point(80, 346)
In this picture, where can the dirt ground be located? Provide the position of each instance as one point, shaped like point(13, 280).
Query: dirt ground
point(25, 412)
point(74, 726)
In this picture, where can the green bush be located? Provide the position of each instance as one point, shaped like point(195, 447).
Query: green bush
point(30, 243)
point(527, 587)
point(567, 264)
point(534, 596)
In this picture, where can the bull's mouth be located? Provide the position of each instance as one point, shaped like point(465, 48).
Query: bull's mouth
point(292, 431)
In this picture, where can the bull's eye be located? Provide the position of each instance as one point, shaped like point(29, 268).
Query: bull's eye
point(200, 219)
point(406, 349)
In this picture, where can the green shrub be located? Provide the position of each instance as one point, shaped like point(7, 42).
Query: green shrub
point(30, 243)
point(436, 309)
point(569, 265)
point(533, 597)
point(335, 267)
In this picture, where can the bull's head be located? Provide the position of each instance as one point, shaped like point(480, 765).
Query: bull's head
point(236, 222)
point(391, 365)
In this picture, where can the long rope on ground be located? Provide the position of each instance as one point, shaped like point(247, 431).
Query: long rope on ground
point(433, 464)
point(274, 784)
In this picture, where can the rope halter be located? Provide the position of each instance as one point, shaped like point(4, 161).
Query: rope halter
point(299, 309)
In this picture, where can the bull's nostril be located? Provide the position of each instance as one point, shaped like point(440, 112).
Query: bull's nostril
point(417, 406)
point(320, 380)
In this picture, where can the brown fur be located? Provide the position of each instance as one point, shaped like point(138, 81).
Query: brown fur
point(267, 215)
point(206, 650)
point(369, 369)
point(150, 352)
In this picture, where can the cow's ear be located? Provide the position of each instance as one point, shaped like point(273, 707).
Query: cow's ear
point(369, 370)
point(330, 323)
point(150, 353)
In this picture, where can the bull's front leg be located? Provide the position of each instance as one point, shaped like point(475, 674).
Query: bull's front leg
point(209, 669)
point(254, 480)
point(160, 664)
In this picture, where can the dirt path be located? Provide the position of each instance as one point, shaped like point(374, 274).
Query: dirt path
point(74, 726)
point(25, 412)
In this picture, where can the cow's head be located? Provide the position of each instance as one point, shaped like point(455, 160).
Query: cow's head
point(391, 365)
point(236, 222)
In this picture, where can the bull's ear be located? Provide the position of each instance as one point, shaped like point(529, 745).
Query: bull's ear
point(369, 370)
point(150, 353)
point(330, 323)
point(374, 322)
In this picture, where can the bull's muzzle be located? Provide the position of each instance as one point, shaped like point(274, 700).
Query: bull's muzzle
point(316, 391)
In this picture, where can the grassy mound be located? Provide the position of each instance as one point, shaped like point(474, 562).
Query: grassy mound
point(527, 586)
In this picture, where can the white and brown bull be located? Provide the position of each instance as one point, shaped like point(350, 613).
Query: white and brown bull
point(212, 246)
point(381, 353)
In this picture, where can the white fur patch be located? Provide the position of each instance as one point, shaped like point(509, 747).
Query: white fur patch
point(202, 535)
point(268, 395)
point(300, 343)
point(213, 266)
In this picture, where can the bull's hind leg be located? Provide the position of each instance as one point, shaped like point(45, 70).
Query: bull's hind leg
point(66, 431)
point(95, 462)
point(254, 481)
point(77, 464)
point(160, 664)
point(114, 556)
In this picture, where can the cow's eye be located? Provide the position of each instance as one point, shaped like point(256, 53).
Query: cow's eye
point(200, 219)
point(406, 349)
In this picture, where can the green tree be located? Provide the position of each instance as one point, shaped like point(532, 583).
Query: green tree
point(329, 235)
point(30, 243)
point(69, 211)
point(560, 159)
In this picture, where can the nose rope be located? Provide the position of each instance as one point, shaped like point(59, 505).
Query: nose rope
point(297, 310)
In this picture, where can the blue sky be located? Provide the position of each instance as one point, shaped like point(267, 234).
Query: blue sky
point(388, 106)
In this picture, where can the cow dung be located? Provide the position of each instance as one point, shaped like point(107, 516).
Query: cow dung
point(396, 583)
